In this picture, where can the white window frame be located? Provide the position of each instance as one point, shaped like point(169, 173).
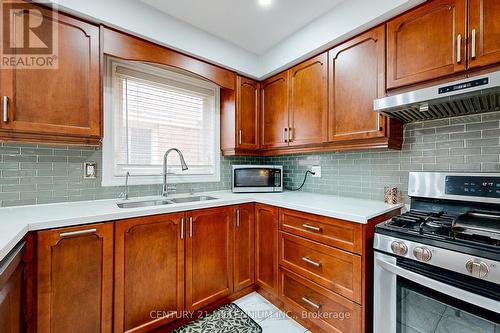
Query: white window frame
point(108, 177)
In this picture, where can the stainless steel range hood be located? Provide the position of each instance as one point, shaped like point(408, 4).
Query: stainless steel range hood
point(469, 96)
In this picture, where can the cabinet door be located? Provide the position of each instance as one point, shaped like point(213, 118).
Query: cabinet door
point(247, 113)
point(209, 260)
point(274, 118)
point(484, 32)
point(357, 77)
point(426, 43)
point(12, 290)
point(75, 279)
point(64, 101)
point(244, 247)
point(309, 102)
point(266, 231)
point(149, 272)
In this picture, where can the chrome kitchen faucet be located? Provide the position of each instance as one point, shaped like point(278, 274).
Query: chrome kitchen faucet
point(165, 168)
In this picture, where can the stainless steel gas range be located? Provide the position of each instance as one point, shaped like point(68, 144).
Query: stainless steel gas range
point(437, 266)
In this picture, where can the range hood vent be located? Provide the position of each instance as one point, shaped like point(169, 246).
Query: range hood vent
point(459, 98)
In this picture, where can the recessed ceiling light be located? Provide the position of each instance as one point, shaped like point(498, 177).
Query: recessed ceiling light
point(265, 2)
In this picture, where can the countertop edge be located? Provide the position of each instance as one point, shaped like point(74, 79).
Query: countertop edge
point(113, 216)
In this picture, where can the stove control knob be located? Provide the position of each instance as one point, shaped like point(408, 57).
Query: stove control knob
point(399, 248)
point(422, 253)
point(477, 268)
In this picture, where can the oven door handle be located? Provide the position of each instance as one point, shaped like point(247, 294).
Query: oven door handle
point(480, 301)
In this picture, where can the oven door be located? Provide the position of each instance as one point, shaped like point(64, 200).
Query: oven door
point(409, 300)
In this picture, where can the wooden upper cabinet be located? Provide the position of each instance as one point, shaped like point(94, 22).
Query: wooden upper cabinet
point(149, 272)
point(274, 112)
point(75, 272)
point(484, 32)
point(244, 247)
point(209, 256)
point(427, 43)
point(247, 113)
point(356, 78)
point(60, 105)
point(266, 247)
point(308, 101)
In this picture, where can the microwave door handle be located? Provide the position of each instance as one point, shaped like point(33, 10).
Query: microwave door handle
point(444, 288)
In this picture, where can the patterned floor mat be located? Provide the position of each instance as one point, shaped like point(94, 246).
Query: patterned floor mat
point(227, 319)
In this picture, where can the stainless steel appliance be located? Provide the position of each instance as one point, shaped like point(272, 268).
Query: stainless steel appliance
point(468, 96)
point(437, 266)
point(257, 178)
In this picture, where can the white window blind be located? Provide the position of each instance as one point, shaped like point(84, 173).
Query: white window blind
point(152, 110)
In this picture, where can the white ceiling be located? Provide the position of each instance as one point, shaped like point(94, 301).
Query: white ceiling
point(239, 34)
point(245, 23)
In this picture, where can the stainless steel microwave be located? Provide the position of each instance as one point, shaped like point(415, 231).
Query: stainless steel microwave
point(257, 178)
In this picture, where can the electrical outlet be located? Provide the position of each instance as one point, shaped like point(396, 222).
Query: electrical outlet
point(89, 170)
point(317, 171)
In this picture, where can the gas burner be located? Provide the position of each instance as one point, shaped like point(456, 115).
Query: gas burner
point(437, 224)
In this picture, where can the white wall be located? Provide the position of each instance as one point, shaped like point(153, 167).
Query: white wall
point(344, 21)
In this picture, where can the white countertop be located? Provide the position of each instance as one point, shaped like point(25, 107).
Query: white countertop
point(16, 222)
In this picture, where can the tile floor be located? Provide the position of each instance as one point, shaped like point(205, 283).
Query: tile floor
point(269, 317)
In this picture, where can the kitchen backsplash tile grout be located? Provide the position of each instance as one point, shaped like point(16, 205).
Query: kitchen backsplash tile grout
point(36, 174)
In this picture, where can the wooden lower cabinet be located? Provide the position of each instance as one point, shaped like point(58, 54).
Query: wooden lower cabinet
point(12, 290)
point(209, 256)
point(318, 268)
point(149, 272)
point(244, 247)
point(75, 279)
point(337, 270)
point(266, 247)
point(326, 271)
point(328, 311)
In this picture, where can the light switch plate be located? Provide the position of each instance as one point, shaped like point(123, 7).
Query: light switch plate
point(89, 170)
point(317, 171)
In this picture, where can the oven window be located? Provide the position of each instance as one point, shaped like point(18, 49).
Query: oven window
point(422, 310)
point(254, 177)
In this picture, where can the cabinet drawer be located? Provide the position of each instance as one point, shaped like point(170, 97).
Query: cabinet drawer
point(334, 269)
point(341, 234)
point(333, 313)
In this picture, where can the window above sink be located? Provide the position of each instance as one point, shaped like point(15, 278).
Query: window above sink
point(149, 109)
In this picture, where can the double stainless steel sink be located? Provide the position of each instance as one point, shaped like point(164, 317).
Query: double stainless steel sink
point(161, 202)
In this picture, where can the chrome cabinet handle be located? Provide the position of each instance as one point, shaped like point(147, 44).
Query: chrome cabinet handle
point(285, 134)
point(459, 48)
point(182, 228)
point(312, 227)
point(240, 134)
point(190, 227)
point(78, 233)
point(5, 109)
point(238, 218)
point(312, 262)
point(473, 45)
point(290, 134)
point(311, 303)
